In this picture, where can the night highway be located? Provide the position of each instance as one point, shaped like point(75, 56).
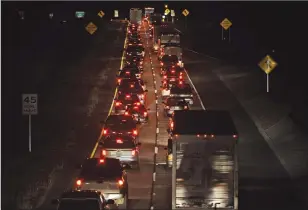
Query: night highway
point(75, 74)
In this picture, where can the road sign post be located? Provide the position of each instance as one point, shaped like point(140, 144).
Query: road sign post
point(172, 15)
point(185, 13)
point(29, 107)
point(226, 25)
point(267, 64)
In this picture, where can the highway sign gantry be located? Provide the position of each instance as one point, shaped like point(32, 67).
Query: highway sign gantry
point(91, 28)
point(185, 12)
point(268, 64)
point(226, 24)
point(101, 14)
point(167, 11)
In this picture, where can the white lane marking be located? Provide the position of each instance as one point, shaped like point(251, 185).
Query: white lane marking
point(192, 84)
point(199, 53)
point(157, 130)
point(154, 176)
point(156, 150)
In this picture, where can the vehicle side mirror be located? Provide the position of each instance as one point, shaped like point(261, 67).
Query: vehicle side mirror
point(146, 91)
point(100, 144)
point(54, 201)
point(110, 202)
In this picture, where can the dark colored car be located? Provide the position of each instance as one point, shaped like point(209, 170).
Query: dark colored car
point(183, 91)
point(84, 199)
point(134, 50)
point(120, 124)
point(123, 100)
point(139, 113)
point(174, 103)
point(135, 60)
point(169, 60)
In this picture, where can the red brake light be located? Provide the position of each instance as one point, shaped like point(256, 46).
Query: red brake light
point(119, 141)
point(126, 113)
point(161, 63)
point(131, 86)
point(167, 107)
point(145, 114)
point(101, 161)
point(118, 103)
point(78, 182)
point(104, 131)
point(133, 152)
point(136, 107)
point(173, 71)
point(234, 136)
point(212, 136)
point(181, 77)
point(127, 96)
point(138, 104)
point(119, 80)
point(127, 72)
point(135, 132)
point(104, 152)
point(165, 77)
point(172, 125)
point(185, 107)
point(180, 82)
point(120, 182)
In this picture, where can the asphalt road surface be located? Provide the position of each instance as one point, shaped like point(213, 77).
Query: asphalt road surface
point(263, 182)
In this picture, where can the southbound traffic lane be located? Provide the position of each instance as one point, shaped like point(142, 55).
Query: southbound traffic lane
point(263, 182)
point(80, 100)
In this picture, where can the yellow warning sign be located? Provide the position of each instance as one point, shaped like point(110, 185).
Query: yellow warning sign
point(185, 12)
point(167, 11)
point(91, 28)
point(101, 14)
point(226, 24)
point(268, 64)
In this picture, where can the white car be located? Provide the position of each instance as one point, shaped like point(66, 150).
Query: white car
point(165, 92)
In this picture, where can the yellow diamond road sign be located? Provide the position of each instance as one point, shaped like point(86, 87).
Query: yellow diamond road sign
point(185, 12)
point(226, 24)
point(91, 28)
point(101, 14)
point(167, 11)
point(268, 64)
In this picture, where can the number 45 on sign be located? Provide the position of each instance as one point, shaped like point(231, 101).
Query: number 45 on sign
point(29, 107)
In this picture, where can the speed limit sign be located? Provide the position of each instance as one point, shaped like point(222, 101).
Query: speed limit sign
point(29, 104)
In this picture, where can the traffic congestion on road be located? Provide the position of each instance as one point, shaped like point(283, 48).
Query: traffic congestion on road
point(161, 128)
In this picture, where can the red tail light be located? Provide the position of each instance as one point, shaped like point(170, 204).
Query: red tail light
point(132, 86)
point(142, 95)
point(165, 77)
point(119, 80)
point(141, 62)
point(145, 114)
point(104, 152)
point(161, 63)
point(172, 71)
point(135, 132)
point(234, 136)
point(181, 82)
point(78, 182)
point(101, 161)
point(120, 182)
point(127, 96)
point(185, 107)
point(171, 124)
point(138, 103)
point(105, 131)
point(181, 77)
point(118, 103)
point(167, 107)
point(126, 113)
point(133, 152)
point(127, 72)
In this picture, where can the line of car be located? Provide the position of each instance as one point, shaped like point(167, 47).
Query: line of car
point(102, 181)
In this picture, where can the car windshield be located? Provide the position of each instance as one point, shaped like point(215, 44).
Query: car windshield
point(94, 169)
point(186, 89)
point(133, 49)
point(116, 119)
point(79, 204)
point(170, 58)
point(118, 143)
